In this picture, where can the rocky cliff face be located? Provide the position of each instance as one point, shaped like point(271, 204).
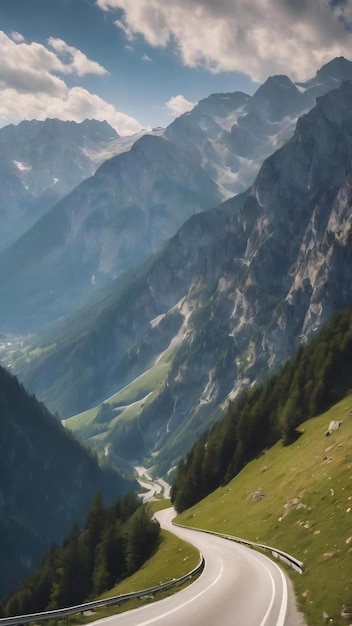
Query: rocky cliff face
point(227, 299)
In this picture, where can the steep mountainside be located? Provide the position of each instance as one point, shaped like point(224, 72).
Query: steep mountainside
point(138, 199)
point(40, 162)
point(231, 295)
point(310, 382)
point(47, 481)
point(108, 224)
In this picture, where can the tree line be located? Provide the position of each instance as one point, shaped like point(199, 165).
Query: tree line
point(113, 544)
point(316, 377)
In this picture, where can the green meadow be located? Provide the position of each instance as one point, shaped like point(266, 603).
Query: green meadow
point(126, 402)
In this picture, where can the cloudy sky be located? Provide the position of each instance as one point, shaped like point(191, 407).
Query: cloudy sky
point(140, 63)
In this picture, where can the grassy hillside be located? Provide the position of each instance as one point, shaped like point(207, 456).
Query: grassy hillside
point(306, 510)
point(121, 409)
point(317, 377)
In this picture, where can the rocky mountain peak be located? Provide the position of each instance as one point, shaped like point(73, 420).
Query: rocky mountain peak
point(339, 68)
point(328, 77)
point(277, 98)
point(230, 295)
point(221, 104)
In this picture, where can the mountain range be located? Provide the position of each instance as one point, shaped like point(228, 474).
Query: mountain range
point(138, 199)
point(40, 162)
point(227, 299)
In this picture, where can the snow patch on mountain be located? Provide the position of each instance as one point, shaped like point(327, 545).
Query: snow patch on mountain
point(117, 146)
point(22, 167)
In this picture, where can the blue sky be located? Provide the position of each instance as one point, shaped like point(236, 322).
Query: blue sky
point(140, 63)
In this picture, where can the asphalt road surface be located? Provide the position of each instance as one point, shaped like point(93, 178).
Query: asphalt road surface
point(238, 587)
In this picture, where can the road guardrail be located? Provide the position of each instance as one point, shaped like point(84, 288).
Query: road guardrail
point(86, 606)
point(278, 554)
point(80, 608)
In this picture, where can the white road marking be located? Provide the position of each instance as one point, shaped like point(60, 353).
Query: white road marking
point(283, 607)
point(180, 606)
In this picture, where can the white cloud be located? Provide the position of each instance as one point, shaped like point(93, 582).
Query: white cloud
point(178, 105)
point(259, 38)
point(145, 57)
point(125, 28)
point(77, 105)
point(77, 62)
point(17, 37)
point(31, 88)
point(29, 67)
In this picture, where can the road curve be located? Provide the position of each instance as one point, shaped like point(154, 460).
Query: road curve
point(239, 587)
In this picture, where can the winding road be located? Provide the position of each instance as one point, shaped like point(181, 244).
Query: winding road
point(152, 488)
point(238, 587)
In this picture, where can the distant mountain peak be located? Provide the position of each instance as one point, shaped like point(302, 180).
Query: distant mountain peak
point(221, 102)
point(277, 83)
point(277, 98)
point(339, 68)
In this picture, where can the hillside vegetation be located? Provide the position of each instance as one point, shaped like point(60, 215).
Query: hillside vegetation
point(297, 498)
point(47, 481)
point(313, 380)
point(112, 422)
point(114, 543)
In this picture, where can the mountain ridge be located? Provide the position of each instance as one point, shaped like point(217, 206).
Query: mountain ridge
point(138, 199)
point(228, 297)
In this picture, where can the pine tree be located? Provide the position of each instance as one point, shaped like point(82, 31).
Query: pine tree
point(142, 535)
